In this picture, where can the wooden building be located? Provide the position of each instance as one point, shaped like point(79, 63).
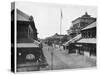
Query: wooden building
point(86, 44)
point(29, 53)
point(25, 26)
point(55, 39)
point(79, 23)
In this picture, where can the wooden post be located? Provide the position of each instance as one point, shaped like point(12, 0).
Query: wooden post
point(52, 59)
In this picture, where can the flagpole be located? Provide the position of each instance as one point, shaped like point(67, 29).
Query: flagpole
point(60, 21)
point(61, 15)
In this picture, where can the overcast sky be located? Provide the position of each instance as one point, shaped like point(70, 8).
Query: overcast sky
point(47, 16)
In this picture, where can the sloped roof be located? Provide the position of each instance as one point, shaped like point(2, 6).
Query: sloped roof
point(24, 40)
point(86, 15)
point(73, 39)
point(57, 36)
point(90, 26)
point(27, 43)
point(87, 40)
point(21, 16)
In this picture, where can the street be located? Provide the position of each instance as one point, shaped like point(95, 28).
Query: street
point(59, 59)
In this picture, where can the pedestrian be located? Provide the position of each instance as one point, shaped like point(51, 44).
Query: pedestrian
point(48, 49)
point(63, 47)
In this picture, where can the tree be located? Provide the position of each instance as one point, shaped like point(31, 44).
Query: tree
point(65, 38)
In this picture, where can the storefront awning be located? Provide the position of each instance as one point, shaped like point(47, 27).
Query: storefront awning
point(88, 40)
point(26, 45)
point(90, 26)
point(25, 42)
point(73, 39)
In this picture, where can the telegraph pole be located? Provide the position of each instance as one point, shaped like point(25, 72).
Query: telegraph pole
point(52, 59)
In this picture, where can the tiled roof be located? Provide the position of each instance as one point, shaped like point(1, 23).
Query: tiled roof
point(26, 45)
point(86, 15)
point(87, 40)
point(57, 36)
point(21, 16)
point(73, 39)
point(90, 26)
point(25, 42)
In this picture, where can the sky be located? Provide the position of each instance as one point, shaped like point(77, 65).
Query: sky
point(47, 17)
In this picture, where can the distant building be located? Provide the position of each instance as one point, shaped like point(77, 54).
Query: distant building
point(56, 38)
point(80, 23)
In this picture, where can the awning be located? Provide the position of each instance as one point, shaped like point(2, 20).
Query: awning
point(87, 40)
point(73, 39)
point(90, 26)
point(26, 45)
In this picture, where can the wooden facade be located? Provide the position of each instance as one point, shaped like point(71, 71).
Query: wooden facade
point(28, 50)
point(79, 23)
point(25, 26)
point(87, 44)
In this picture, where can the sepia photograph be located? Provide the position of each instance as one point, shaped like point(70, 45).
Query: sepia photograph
point(52, 36)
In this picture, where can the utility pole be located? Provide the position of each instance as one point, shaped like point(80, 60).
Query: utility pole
point(52, 59)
